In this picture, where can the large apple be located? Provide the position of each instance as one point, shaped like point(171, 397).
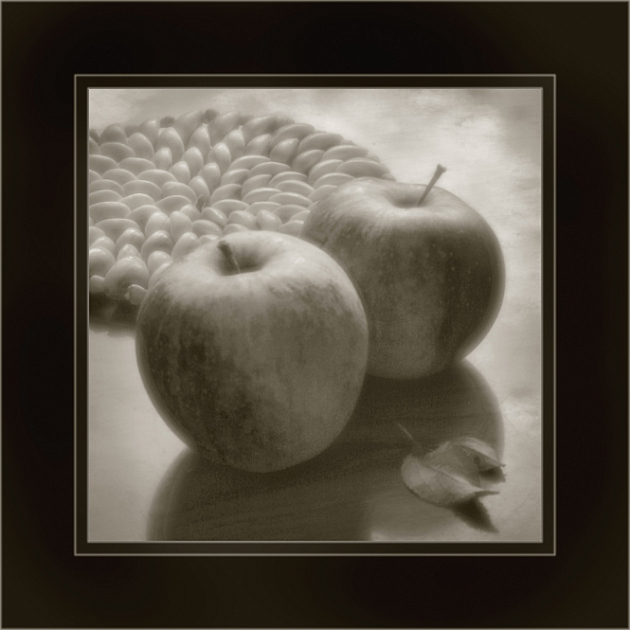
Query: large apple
point(253, 348)
point(428, 268)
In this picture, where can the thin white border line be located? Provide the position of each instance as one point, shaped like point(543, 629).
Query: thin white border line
point(350, 542)
point(74, 314)
point(1, 363)
point(353, 543)
point(362, 1)
point(307, 76)
point(553, 349)
point(314, 555)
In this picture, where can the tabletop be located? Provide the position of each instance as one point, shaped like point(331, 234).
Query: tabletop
point(144, 484)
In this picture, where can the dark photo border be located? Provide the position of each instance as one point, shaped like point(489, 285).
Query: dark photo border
point(583, 45)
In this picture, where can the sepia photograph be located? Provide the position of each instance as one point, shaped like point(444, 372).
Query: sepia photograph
point(315, 315)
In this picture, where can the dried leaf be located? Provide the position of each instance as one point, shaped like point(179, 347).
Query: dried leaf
point(441, 486)
point(447, 455)
point(454, 472)
point(484, 455)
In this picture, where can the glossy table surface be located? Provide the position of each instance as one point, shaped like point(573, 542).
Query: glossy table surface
point(145, 484)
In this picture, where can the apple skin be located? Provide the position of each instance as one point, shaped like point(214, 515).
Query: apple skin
point(431, 278)
point(260, 369)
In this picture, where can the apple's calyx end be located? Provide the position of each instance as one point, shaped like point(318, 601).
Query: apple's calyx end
point(228, 253)
point(438, 173)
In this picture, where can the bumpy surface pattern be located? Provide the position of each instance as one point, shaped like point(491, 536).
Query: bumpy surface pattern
point(160, 189)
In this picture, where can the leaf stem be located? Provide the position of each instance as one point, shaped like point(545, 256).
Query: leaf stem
point(227, 251)
point(438, 173)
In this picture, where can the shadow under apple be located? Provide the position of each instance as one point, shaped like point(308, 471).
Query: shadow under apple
point(203, 500)
point(456, 402)
point(351, 490)
point(452, 403)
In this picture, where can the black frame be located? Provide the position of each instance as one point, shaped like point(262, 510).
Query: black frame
point(584, 44)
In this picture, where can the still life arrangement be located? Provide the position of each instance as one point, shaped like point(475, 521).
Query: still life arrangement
point(268, 267)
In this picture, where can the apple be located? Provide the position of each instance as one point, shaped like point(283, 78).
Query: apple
point(253, 348)
point(429, 270)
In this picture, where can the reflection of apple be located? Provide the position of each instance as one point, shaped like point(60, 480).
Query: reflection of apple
point(428, 268)
point(348, 492)
point(254, 348)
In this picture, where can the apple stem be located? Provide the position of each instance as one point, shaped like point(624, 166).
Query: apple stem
point(438, 173)
point(226, 250)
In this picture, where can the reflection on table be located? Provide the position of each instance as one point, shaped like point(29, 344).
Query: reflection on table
point(351, 492)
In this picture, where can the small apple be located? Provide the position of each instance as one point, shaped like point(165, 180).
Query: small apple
point(428, 268)
point(253, 348)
